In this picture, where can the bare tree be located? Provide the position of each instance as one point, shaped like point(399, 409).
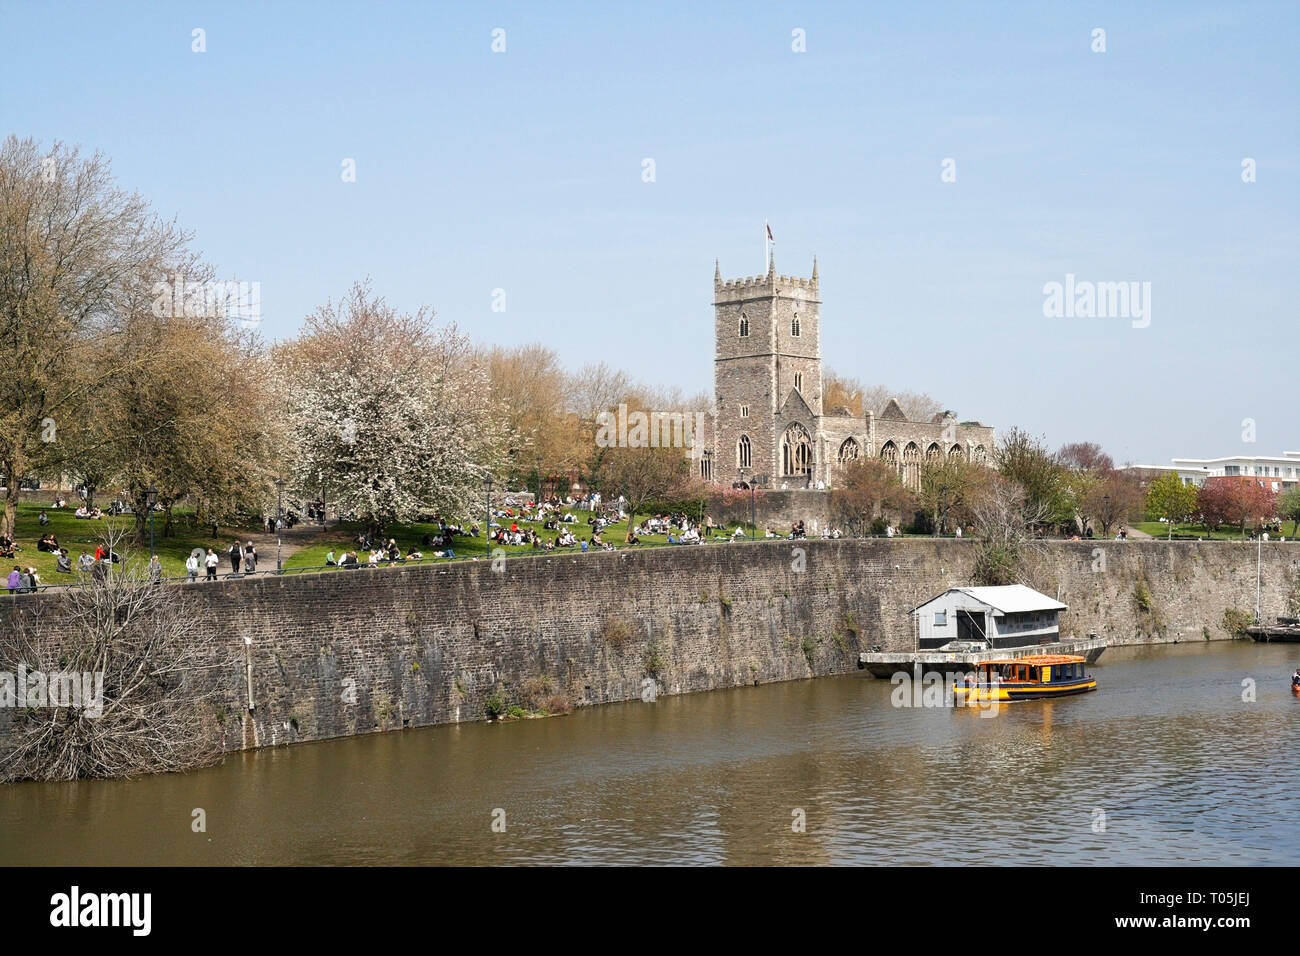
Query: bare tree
point(157, 704)
point(74, 249)
point(842, 391)
point(1005, 517)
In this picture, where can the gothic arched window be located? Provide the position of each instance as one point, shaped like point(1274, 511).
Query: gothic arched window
point(744, 326)
point(849, 450)
point(742, 452)
point(796, 451)
point(706, 465)
point(794, 325)
point(912, 466)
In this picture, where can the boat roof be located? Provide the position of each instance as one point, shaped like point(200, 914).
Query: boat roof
point(1038, 659)
point(1007, 598)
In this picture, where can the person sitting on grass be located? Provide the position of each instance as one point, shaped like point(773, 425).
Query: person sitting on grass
point(413, 555)
point(85, 562)
point(63, 563)
point(329, 559)
point(6, 547)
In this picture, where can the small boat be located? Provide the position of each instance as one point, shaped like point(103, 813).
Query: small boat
point(1026, 678)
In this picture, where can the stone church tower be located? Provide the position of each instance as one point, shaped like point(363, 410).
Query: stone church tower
point(768, 419)
point(767, 375)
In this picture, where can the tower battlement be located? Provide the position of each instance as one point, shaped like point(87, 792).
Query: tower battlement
point(763, 283)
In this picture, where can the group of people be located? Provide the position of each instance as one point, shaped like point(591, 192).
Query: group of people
point(23, 579)
point(391, 553)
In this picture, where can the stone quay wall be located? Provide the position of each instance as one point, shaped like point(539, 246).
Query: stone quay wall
point(356, 652)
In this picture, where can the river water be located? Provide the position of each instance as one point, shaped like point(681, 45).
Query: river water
point(1164, 764)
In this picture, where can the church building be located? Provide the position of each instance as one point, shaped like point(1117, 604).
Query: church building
point(768, 421)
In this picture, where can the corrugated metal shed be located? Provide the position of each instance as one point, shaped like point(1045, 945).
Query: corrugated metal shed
point(1007, 599)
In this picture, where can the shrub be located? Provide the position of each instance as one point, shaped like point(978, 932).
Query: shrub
point(495, 705)
point(996, 564)
point(557, 704)
point(1150, 619)
point(535, 689)
point(654, 661)
point(516, 712)
point(809, 651)
point(1142, 594)
point(1235, 622)
point(616, 631)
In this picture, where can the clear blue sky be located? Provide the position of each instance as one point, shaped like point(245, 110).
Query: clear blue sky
point(522, 171)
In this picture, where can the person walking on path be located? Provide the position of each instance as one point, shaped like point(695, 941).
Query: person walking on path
point(250, 559)
point(212, 561)
point(236, 556)
point(192, 567)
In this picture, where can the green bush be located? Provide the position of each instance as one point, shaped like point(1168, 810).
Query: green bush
point(654, 660)
point(809, 651)
point(1235, 622)
point(495, 705)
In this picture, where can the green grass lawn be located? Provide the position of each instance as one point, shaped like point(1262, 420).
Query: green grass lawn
point(310, 542)
point(340, 538)
point(74, 534)
point(1158, 529)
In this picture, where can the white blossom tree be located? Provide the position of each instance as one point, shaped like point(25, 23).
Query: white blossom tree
point(389, 415)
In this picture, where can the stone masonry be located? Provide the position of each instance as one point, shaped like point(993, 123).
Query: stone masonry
point(345, 653)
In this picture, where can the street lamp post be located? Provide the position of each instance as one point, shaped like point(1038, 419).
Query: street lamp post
point(745, 484)
point(752, 482)
point(756, 482)
point(151, 498)
point(279, 522)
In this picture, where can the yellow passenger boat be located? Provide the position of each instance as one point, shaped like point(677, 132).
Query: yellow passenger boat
point(1026, 678)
